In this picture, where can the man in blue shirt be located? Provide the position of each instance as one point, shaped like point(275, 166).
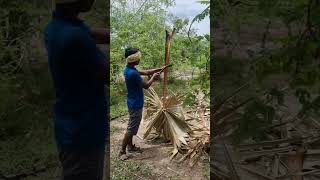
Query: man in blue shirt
point(135, 97)
point(79, 73)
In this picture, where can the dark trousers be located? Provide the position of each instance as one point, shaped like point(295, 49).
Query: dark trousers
point(82, 165)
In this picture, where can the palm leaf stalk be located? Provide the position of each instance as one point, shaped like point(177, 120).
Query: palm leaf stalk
point(165, 115)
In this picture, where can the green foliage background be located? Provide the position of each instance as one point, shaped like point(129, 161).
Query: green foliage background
point(142, 24)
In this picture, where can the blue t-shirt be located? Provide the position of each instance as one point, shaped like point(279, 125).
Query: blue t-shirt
point(77, 67)
point(134, 84)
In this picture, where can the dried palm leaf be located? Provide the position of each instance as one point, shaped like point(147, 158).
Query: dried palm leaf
point(198, 144)
point(167, 119)
point(199, 139)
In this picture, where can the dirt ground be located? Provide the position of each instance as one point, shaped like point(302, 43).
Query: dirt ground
point(156, 155)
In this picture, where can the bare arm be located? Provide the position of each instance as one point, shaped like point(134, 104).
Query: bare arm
point(148, 83)
point(101, 35)
point(149, 71)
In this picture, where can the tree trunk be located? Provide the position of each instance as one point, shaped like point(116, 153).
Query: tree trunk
point(167, 62)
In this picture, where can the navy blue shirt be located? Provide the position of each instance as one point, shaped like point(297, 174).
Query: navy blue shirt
point(77, 67)
point(134, 84)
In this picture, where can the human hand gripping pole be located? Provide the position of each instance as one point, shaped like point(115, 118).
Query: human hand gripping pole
point(158, 73)
point(147, 84)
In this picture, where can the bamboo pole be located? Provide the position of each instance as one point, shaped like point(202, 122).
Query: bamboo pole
point(167, 62)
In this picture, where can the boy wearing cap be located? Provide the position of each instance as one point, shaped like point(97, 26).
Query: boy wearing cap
point(79, 73)
point(135, 97)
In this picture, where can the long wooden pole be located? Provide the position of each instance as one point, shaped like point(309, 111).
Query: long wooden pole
point(167, 62)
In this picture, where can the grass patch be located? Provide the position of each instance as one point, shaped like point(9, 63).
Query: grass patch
point(129, 170)
point(114, 130)
point(19, 155)
point(118, 101)
point(26, 131)
point(118, 109)
point(33, 148)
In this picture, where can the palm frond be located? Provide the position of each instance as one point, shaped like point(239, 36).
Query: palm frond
point(169, 121)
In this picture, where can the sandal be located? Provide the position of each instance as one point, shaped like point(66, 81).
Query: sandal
point(134, 149)
point(123, 156)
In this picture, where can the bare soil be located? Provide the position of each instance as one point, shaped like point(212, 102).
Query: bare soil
point(156, 155)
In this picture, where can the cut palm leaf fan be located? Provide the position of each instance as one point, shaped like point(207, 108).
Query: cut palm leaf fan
point(167, 119)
